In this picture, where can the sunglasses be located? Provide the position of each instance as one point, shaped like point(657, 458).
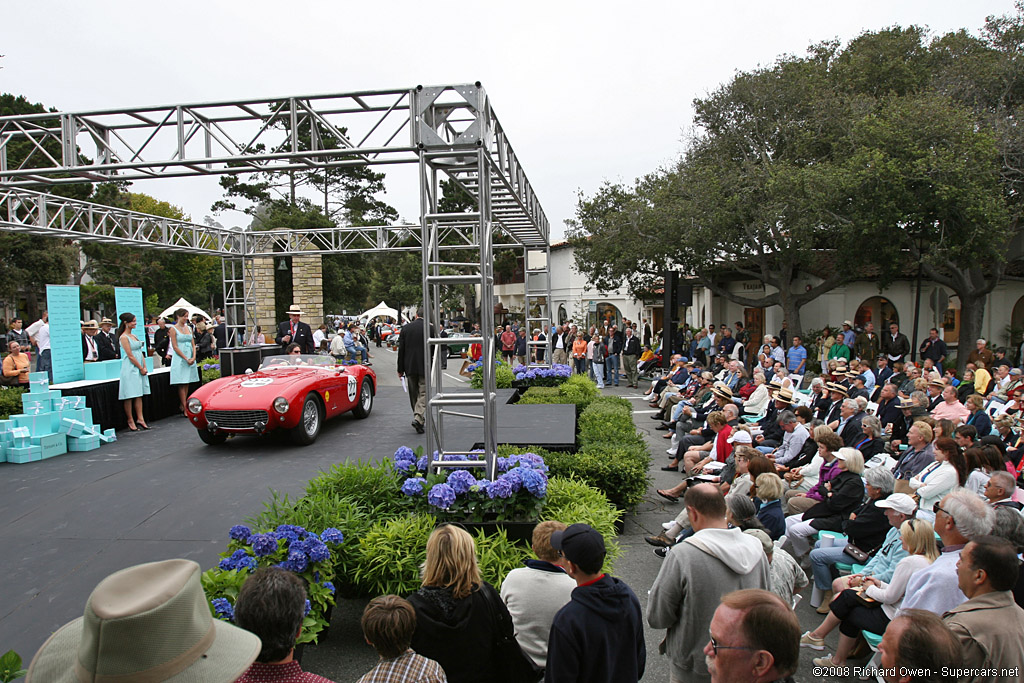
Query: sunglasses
point(938, 508)
point(715, 647)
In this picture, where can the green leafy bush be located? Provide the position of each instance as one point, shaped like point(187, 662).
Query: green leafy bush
point(391, 553)
point(370, 483)
point(10, 667)
point(497, 556)
point(571, 500)
point(577, 389)
point(604, 423)
point(620, 471)
point(535, 395)
point(10, 401)
point(503, 376)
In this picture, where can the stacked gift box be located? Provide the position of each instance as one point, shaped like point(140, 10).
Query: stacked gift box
point(49, 425)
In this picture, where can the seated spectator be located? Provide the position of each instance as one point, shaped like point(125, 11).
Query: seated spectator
point(754, 638)
point(959, 518)
point(388, 624)
point(769, 504)
point(946, 472)
point(981, 463)
point(918, 647)
point(871, 445)
point(741, 513)
point(965, 436)
point(150, 622)
point(535, 593)
point(787, 578)
point(843, 494)
point(866, 529)
point(950, 407)
point(1003, 426)
point(999, 490)
point(804, 491)
point(457, 611)
point(919, 453)
point(1010, 525)
point(271, 604)
point(978, 417)
point(989, 625)
point(852, 617)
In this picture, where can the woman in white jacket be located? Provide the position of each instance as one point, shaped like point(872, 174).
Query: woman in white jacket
point(758, 401)
point(948, 472)
point(852, 617)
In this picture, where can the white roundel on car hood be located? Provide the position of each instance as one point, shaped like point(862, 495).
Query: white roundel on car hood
point(352, 388)
point(257, 382)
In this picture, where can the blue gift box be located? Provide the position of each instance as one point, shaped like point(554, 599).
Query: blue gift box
point(3, 452)
point(108, 436)
point(24, 454)
point(37, 402)
point(76, 402)
point(38, 424)
point(83, 415)
point(6, 426)
point(105, 369)
point(21, 437)
point(83, 443)
point(72, 427)
point(51, 445)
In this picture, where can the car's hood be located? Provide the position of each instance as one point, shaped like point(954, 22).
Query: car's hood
point(271, 383)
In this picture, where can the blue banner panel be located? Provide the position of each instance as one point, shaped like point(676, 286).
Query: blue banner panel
point(129, 300)
point(62, 301)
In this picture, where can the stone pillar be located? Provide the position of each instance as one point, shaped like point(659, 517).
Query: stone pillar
point(308, 287)
point(263, 292)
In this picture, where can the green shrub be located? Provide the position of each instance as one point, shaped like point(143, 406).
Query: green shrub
point(620, 471)
point(503, 376)
point(497, 556)
point(370, 483)
point(10, 401)
point(604, 423)
point(613, 401)
point(570, 500)
point(391, 553)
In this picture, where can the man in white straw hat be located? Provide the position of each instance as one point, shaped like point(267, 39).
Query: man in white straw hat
point(294, 331)
point(150, 622)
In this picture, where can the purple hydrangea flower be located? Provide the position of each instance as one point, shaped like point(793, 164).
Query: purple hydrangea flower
point(423, 463)
point(500, 488)
point(536, 482)
point(461, 481)
point(263, 544)
point(514, 477)
point(441, 496)
point(405, 453)
point(318, 550)
point(330, 586)
point(290, 532)
point(308, 608)
point(223, 608)
point(404, 465)
point(296, 562)
point(413, 486)
point(331, 535)
point(240, 532)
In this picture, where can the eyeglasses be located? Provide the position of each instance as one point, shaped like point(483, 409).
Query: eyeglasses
point(296, 352)
point(938, 508)
point(715, 647)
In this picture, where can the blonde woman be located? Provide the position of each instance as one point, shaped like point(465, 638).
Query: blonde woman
point(458, 614)
point(852, 617)
point(758, 401)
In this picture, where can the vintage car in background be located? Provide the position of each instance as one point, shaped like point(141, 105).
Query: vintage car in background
point(456, 349)
point(294, 393)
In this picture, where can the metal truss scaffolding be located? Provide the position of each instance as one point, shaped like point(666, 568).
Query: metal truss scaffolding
point(447, 131)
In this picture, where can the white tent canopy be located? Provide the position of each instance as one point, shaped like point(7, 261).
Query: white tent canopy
point(381, 309)
point(182, 303)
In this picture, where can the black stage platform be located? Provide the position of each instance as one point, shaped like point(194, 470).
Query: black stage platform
point(548, 426)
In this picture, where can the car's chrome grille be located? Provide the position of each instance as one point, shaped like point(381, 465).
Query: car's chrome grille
point(236, 419)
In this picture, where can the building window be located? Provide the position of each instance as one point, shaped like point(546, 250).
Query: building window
point(607, 312)
point(563, 317)
point(877, 310)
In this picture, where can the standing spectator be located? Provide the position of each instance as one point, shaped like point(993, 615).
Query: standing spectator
point(521, 346)
point(600, 355)
point(598, 637)
point(106, 340)
point(695, 574)
point(895, 344)
point(183, 359)
point(630, 356)
point(960, 518)
point(162, 341)
point(220, 333)
point(150, 622)
point(204, 341)
point(726, 344)
point(271, 604)
point(90, 353)
point(535, 593)
point(849, 337)
point(459, 617)
point(866, 345)
point(796, 358)
point(559, 354)
point(16, 366)
point(989, 626)
point(538, 336)
point(508, 344)
point(388, 623)
point(579, 354)
point(39, 333)
point(413, 366)
point(134, 382)
point(16, 334)
point(934, 349)
point(915, 644)
point(646, 331)
point(611, 366)
point(295, 331)
point(754, 638)
point(981, 353)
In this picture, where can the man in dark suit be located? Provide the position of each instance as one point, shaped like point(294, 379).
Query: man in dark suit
point(220, 332)
point(162, 341)
point(412, 365)
point(895, 344)
point(883, 372)
point(90, 349)
point(106, 340)
point(295, 331)
point(851, 432)
point(888, 411)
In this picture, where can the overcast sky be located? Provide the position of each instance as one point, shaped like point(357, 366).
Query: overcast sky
point(587, 91)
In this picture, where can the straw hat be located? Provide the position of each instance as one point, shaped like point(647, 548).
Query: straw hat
point(906, 404)
point(722, 391)
point(294, 310)
point(90, 325)
point(150, 622)
point(106, 321)
point(775, 384)
point(785, 395)
point(938, 383)
point(837, 388)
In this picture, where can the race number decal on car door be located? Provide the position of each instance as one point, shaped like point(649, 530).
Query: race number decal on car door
point(352, 387)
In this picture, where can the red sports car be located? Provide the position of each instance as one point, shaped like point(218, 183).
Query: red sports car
point(295, 392)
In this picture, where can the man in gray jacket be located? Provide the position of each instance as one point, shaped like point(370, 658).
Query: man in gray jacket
point(696, 573)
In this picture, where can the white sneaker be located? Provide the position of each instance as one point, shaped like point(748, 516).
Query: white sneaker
point(670, 451)
point(648, 397)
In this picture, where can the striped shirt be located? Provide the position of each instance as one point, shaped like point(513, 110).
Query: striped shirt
point(408, 667)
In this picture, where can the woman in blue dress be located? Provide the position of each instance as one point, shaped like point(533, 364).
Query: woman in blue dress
point(134, 382)
point(183, 357)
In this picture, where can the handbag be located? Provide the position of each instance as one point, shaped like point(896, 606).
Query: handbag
point(856, 553)
point(510, 662)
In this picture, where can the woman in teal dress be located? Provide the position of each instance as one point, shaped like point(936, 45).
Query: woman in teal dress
point(183, 357)
point(134, 380)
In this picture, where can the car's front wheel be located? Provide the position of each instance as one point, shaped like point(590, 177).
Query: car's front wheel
point(365, 404)
point(212, 438)
point(310, 421)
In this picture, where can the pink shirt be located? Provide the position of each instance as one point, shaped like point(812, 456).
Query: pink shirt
point(955, 411)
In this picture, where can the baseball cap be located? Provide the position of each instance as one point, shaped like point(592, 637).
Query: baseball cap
point(580, 544)
point(739, 436)
point(900, 502)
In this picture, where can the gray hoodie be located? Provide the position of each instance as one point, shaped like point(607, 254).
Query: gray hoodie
point(695, 575)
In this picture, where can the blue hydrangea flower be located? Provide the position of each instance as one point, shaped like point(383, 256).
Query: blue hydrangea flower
point(296, 562)
point(404, 465)
point(483, 486)
point(405, 453)
point(461, 481)
point(240, 532)
point(441, 496)
point(263, 544)
point(500, 488)
point(423, 463)
point(535, 481)
point(308, 609)
point(318, 550)
point(329, 586)
point(331, 535)
point(223, 608)
point(453, 457)
point(290, 532)
point(514, 477)
point(413, 486)
point(502, 464)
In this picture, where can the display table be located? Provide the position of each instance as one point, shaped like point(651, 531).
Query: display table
point(108, 411)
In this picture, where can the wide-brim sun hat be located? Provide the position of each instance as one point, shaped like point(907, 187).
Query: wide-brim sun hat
point(294, 310)
point(150, 622)
point(785, 396)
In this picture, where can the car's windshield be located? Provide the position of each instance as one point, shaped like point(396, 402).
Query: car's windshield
point(297, 360)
